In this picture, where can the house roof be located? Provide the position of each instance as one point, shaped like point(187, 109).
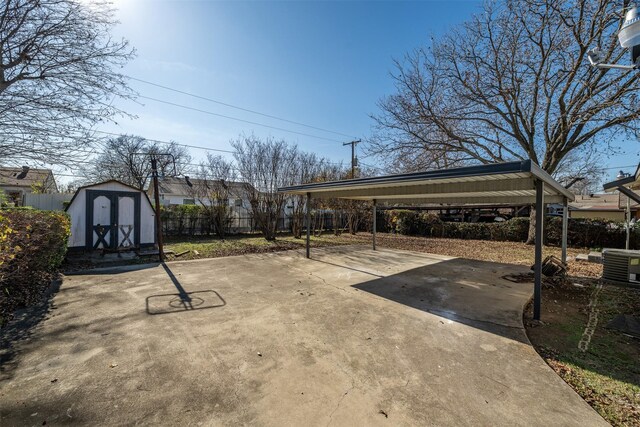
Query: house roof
point(498, 184)
point(179, 186)
point(24, 176)
point(601, 202)
point(622, 203)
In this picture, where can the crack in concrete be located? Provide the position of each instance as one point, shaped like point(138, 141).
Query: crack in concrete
point(338, 404)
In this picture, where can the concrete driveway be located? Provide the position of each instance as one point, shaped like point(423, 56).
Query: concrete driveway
point(351, 337)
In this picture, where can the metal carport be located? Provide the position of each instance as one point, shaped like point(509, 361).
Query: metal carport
point(498, 184)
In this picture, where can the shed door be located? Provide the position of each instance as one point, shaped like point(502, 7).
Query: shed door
point(113, 219)
point(102, 223)
point(126, 222)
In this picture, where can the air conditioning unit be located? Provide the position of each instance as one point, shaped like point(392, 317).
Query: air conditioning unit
point(621, 266)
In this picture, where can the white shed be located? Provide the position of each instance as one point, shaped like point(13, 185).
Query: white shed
point(111, 215)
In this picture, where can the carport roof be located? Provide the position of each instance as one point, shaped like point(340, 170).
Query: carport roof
point(632, 181)
point(510, 183)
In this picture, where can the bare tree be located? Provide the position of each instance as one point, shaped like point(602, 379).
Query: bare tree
point(512, 83)
point(328, 172)
point(213, 190)
point(58, 77)
point(265, 165)
point(355, 212)
point(127, 159)
point(582, 170)
point(307, 168)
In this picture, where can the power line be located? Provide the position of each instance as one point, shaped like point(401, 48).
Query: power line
point(198, 147)
point(620, 167)
point(186, 107)
point(171, 142)
point(240, 108)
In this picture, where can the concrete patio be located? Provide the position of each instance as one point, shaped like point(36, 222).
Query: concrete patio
point(349, 337)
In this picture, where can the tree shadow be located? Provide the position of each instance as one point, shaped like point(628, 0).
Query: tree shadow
point(111, 270)
point(22, 326)
point(609, 352)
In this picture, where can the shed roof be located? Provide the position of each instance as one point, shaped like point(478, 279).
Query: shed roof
point(499, 184)
point(96, 184)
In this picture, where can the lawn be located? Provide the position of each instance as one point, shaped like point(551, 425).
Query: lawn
point(607, 376)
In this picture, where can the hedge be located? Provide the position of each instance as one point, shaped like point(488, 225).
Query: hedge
point(33, 244)
point(583, 233)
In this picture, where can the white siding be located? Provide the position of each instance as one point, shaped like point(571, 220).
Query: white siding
point(77, 212)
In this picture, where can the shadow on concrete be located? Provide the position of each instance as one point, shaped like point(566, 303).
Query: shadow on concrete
point(466, 291)
point(183, 300)
point(21, 327)
point(111, 270)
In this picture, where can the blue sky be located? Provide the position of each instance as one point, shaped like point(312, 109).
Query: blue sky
point(321, 63)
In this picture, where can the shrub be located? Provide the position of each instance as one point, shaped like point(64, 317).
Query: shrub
point(33, 244)
point(182, 219)
point(583, 233)
point(402, 221)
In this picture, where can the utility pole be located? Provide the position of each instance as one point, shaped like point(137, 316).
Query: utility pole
point(354, 160)
point(156, 196)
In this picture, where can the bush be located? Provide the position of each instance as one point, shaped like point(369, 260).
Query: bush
point(33, 244)
point(403, 221)
point(182, 219)
point(583, 233)
point(591, 233)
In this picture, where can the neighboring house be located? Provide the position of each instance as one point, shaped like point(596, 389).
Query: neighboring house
point(18, 182)
point(177, 191)
point(610, 206)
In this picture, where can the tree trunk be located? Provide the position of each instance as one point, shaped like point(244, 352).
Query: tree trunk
point(531, 237)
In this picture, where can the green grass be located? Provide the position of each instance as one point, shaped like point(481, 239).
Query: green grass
point(607, 375)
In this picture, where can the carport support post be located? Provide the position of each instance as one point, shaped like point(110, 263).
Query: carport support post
point(565, 227)
point(308, 214)
point(628, 217)
point(375, 203)
point(537, 287)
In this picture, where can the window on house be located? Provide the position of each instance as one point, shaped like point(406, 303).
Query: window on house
point(239, 203)
point(188, 201)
